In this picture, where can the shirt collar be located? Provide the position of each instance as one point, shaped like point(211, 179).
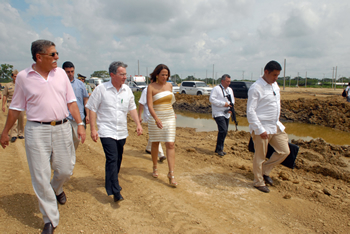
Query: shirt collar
point(109, 85)
point(72, 80)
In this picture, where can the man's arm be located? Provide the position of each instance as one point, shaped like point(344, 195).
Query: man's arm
point(74, 110)
point(140, 112)
point(213, 99)
point(4, 99)
point(134, 116)
point(11, 119)
point(87, 117)
point(94, 134)
point(252, 117)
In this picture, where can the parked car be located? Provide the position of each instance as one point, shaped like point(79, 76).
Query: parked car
point(137, 86)
point(195, 88)
point(176, 88)
point(95, 81)
point(240, 88)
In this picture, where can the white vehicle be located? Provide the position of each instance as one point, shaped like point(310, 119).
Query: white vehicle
point(176, 88)
point(195, 88)
point(95, 81)
point(137, 83)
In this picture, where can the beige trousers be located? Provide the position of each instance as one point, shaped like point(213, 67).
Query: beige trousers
point(279, 142)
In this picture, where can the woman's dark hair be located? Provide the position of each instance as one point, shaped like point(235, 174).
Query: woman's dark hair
point(157, 70)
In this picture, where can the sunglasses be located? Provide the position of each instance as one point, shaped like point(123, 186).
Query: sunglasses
point(51, 54)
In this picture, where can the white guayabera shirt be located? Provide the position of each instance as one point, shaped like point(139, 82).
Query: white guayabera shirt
point(264, 107)
point(112, 108)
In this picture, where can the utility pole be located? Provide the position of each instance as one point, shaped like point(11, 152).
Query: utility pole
point(289, 80)
point(213, 74)
point(335, 78)
point(147, 74)
point(284, 75)
point(305, 79)
point(138, 67)
point(243, 76)
point(298, 80)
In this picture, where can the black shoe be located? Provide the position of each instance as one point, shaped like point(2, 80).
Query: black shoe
point(48, 229)
point(148, 152)
point(118, 197)
point(221, 153)
point(268, 180)
point(264, 189)
point(21, 137)
point(62, 199)
point(13, 139)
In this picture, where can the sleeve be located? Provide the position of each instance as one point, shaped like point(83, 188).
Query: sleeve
point(94, 100)
point(132, 104)
point(70, 96)
point(232, 95)
point(85, 93)
point(143, 98)
point(213, 99)
point(5, 91)
point(19, 101)
point(252, 117)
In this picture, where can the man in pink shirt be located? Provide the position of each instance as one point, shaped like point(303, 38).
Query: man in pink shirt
point(44, 91)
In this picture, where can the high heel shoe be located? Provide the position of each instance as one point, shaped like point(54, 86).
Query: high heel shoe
point(171, 177)
point(155, 173)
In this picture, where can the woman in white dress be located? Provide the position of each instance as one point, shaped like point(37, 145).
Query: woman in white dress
point(162, 126)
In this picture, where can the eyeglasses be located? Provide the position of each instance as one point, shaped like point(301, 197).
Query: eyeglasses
point(51, 54)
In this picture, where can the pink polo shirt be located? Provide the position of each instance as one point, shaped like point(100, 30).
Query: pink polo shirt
point(44, 100)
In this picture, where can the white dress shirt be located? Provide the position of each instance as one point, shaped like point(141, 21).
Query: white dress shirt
point(264, 107)
point(143, 101)
point(218, 98)
point(112, 108)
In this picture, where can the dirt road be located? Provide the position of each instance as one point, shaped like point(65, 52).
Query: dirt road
point(215, 195)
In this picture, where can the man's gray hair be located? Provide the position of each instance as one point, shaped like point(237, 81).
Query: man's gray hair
point(114, 66)
point(224, 77)
point(40, 46)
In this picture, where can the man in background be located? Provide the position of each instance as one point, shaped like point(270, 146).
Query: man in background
point(220, 97)
point(82, 98)
point(82, 79)
point(263, 113)
point(347, 90)
point(17, 129)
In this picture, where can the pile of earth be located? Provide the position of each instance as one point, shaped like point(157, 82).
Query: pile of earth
point(332, 112)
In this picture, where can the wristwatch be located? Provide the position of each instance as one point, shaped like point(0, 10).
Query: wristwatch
point(82, 123)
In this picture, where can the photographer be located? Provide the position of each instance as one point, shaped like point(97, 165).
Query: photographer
point(221, 110)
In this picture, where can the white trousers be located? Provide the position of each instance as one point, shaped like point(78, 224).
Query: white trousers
point(49, 147)
point(160, 150)
point(75, 134)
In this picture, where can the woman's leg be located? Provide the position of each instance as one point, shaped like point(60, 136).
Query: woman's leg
point(170, 152)
point(154, 154)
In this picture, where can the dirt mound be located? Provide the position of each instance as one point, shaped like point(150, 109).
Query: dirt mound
point(332, 112)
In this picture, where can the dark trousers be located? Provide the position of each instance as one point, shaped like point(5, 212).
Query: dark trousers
point(222, 123)
point(114, 154)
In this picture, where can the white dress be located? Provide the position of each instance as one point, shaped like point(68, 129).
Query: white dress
point(162, 105)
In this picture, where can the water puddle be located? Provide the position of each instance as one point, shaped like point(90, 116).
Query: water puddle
point(204, 123)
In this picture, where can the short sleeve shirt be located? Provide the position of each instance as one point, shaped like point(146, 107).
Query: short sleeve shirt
point(80, 93)
point(9, 91)
point(44, 100)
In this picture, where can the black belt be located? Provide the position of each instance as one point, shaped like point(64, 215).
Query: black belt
point(53, 123)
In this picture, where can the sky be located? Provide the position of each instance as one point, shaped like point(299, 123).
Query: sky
point(192, 37)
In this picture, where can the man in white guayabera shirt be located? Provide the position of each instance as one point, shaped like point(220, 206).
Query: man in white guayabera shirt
point(263, 112)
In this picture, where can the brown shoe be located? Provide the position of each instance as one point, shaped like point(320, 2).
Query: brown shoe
point(268, 180)
point(264, 189)
point(62, 199)
point(48, 229)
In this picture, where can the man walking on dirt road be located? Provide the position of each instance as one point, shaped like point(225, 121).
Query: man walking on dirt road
point(263, 112)
point(44, 91)
point(220, 98)
point(82, 98)
point(109, 105)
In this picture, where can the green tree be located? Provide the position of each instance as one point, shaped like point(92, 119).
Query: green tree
point(102, 74)
point(6, 71)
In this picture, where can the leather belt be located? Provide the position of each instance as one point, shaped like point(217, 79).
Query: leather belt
point(53, 123)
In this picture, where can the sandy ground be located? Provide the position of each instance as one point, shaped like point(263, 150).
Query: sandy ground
point(215, 195)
